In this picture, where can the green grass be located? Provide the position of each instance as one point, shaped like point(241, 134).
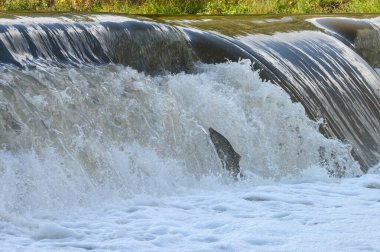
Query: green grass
point(197, 6)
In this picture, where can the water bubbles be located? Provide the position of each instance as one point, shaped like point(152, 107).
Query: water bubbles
point(89, 134)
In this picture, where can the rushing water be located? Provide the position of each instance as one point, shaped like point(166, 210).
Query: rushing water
point(105, 145)
point(319, 72)
point(113, 130)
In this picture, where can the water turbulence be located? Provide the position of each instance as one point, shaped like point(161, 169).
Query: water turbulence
point(331, 81)
point(94, 107)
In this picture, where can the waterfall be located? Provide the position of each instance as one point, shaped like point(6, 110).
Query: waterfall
point(93, 107)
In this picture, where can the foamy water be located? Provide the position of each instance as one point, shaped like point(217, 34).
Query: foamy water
point(107, 158)
point(312, 216)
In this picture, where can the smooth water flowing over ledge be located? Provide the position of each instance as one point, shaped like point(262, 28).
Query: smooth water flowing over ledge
point(362, 35)
point(145, 46)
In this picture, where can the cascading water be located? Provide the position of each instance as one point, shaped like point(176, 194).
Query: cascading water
point(362, 35)
point(90, 116)
point(113, 130)
point(331, 81)
point(146, 46)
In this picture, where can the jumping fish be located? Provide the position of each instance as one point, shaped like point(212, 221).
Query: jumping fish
point(228, 156)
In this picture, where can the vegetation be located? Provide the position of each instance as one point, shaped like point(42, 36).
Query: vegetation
point(197, 6)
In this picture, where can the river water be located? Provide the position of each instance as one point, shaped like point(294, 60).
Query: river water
point(108, 152)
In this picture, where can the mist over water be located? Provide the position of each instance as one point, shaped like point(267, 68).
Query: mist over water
point(75, 136)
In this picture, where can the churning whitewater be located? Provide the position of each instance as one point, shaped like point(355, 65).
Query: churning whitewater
point(111, 130)
point(109, 158)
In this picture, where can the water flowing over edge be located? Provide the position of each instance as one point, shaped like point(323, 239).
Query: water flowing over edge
point(74, 136)
point(134, 152)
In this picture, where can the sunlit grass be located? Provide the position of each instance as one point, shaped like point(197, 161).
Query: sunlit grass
point(197, 6)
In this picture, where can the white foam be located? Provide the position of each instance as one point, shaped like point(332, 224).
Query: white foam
point(107, 158)
point(91, 134)
point(312, 216)
point(53, 231)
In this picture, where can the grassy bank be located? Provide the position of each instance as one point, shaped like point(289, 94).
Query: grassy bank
point(197, 6)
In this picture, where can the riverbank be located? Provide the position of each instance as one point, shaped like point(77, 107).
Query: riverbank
point(178, 7)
